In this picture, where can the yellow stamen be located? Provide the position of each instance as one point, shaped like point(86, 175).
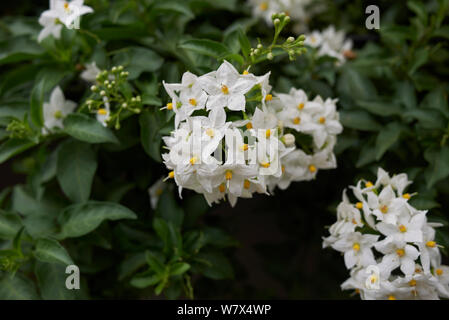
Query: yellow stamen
point(210, 132)
point(58, 114)
point(412, 283)
point(373, 279)
point(265, 164)
point(263, 6)
point(354, 221)
point(228, 175)
point(356, 247)
point(249, 125)
point(269, 97)
point(102, 112)
point(439, 271)
point(246, 184)
point(283, 168)
point(169, 106)
point(391, 297)
point(297, 120)
point(312, 168)
point(384, 209)
point(301, 106)
point(406, 196)
point(400, 252)
point(402, 228)
point(224, 89)
point(222, 187)
point(244, 147)
point(66, 5)
point(359, 205)
point(322, 120)
point(171, 174)
point(245, 72)
point(268, 133)
point(368, 184)
point(431, 244)
point(357, 291)
point(193, 160)
point(193, 102)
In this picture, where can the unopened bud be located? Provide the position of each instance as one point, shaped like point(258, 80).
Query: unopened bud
point(288, 139)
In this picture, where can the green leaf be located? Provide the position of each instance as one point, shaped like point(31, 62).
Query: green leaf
point(169, 210)
point(19, 49)
point(179, 268)
point(143, 281)
point(428, 119)
point(136, 60)
point(10, 224)
point(215, 265)
point(367, 155)
point(245, 45)
point(405, 93)
point(17, 288)
point(420, 58)
point(80, 219)
point(380, 108)
point(154, 263)
point(387, 138)
point(419, 9)
point(13, 147)
point(206, 47)
point(131, 264)
point(49, 250)
point(358, 119)
point(51, 278)
point(176, 7)
point(437, 100)
point(151, 122)
point(77, 164)
point(356, 85)
point(439, 165)
point(84, 128)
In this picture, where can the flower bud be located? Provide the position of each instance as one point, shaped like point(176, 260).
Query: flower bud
point(270, 56)
point(290, 39)
point(288, 139)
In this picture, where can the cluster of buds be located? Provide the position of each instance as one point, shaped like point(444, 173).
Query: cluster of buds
point(19, 129)
point(292, 46)
point(109, 102)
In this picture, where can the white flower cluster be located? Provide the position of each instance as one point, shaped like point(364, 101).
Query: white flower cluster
point(332, 43)
point(298, 10)
point(61, 13)
point(406, 263)
point(219, 157)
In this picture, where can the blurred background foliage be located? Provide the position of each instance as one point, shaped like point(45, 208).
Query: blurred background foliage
point(392, 101)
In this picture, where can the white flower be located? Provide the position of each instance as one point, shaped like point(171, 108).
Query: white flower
point(56, 110)
point(406, 242)
point(326, 121)
point(103, 114)
point(398, 254)
point(186, 96)
point(331, 43)
point(61, 13)
point(91, 72)
point(407, 228)
point(226, 87)
point(314, 39)
point(357, 249)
